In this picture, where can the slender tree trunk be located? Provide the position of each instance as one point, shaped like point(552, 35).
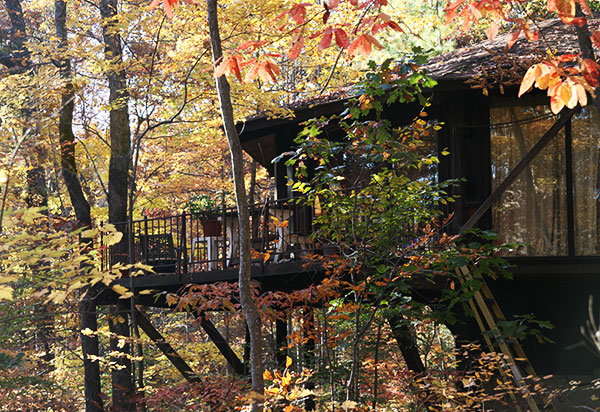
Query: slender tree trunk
point(237, 161)
point(65, 121)
point(118, 178)
point(90, 349)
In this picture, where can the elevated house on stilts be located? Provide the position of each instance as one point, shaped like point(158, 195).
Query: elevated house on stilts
point(529, 175)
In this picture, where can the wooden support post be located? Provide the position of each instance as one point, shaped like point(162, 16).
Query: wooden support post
point(281, 342)
point(407, 343)
point(90, 348)
point(165, 348)
point(221, 344)
point(565, 116)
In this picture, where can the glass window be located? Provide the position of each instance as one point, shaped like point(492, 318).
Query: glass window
point(533, 208)
point(586, 177)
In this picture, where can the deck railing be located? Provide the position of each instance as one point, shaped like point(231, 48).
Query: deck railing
point(185, 243)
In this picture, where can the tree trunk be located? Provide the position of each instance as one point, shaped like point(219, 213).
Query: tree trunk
point(90, 349)
point(118, 178)
point(237, 161)
point(65, 121)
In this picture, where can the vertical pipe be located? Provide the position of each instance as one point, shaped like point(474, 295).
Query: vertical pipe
point(184, 242)
point(224, 232)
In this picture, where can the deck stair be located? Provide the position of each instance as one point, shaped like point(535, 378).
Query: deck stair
point(487, 315)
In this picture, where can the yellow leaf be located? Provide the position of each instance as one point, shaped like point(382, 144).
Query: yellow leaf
point(123, 291)
point(90, 233)
point(113, 238)
point(288, 361)
point(6, 292)
point(31, 214)
point(349, 405)
point(3, 176)
point(146, 292)
point(76, 285)
point(288, 408)
point(266, 256)
point(267, 375)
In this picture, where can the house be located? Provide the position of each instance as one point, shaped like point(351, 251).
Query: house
point(553, 206)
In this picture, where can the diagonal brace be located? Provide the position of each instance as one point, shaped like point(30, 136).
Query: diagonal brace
point(165, 347)
point(221, 344)
point(565, 116)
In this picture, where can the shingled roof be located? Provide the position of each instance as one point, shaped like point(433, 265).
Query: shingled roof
point(493, 59)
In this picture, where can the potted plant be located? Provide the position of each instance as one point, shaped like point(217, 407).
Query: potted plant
point(200, 206)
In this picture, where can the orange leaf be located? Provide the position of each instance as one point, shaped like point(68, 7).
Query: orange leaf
point(271, 70)
point(251, 74)
point(513, 38)
point(452, 10)
point(228, 66)
point(492, 31)
point(362, 45)
point(296, 49)
point(528, 80)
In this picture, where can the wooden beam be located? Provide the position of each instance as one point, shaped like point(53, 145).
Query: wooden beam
point(165, 347)
point(565, 116)
point(221, 344)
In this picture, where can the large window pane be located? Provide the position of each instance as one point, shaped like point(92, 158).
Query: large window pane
point(586, 134)
point(533, 208)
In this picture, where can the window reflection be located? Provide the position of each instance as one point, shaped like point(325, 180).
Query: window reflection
point(585, 134)
point(533, 208)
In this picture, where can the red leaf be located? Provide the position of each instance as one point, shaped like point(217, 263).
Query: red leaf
point(394, 26)
point(296, 49)
point(331, 4)
point(326, 16)
point(591, 71)
point(168, 5)
point(298, 12)
point(596, 38)
point(563, 58)
point(585, 7)
point(341, 38)
point(326, 40)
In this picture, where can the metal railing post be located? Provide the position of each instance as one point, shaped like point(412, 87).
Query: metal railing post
point(183, 243)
